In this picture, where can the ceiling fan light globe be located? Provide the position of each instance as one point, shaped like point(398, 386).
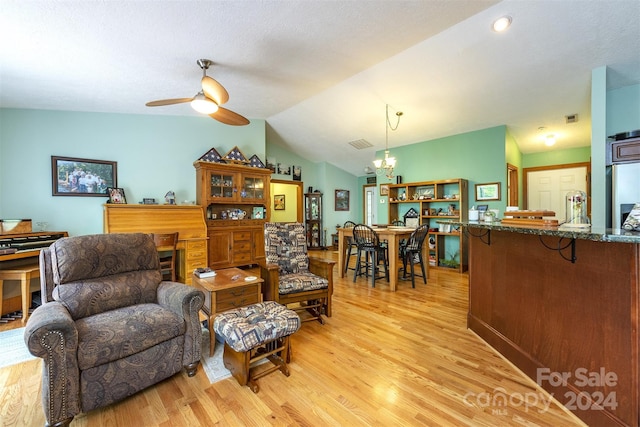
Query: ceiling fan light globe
point(203, 105)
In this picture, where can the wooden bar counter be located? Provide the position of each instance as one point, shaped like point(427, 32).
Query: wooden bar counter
point(563, 306)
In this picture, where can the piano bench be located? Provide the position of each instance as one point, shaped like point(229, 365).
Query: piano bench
point(24, 274)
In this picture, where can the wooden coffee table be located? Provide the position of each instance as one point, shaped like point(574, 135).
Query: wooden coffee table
point(229, 288)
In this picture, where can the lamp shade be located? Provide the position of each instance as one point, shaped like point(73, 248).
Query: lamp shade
point(203, 105)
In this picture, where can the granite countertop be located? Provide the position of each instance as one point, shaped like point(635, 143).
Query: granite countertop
point(598, 234)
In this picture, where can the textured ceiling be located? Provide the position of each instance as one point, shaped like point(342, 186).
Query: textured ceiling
point(321, 72)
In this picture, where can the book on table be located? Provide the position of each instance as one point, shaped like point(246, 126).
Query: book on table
point(203, 273)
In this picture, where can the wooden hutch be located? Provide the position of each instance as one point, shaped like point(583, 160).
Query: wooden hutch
point(236, 201)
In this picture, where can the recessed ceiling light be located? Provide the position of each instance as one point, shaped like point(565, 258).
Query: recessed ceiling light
point(550, 140)
point(501, 24)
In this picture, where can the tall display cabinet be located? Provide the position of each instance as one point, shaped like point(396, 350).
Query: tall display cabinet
point(313, 220)
point(236, 203)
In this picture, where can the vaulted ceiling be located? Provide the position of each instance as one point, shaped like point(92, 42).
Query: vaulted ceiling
point(320, 72)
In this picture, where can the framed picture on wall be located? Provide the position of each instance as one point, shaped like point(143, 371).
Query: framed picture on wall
point(490, 191)
point(278, 202)
point(384, 189)
point(71, 176)
point(297, 173)
point(342, 200)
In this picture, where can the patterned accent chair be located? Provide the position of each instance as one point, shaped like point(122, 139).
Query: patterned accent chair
point(291, 276)
point(108, 326)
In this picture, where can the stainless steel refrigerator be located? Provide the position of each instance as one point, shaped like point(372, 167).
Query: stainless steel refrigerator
point(625, 191)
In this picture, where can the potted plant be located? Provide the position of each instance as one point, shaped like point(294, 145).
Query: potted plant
point(450, 262)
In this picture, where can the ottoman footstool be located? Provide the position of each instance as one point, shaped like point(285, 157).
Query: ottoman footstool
point(253, 333)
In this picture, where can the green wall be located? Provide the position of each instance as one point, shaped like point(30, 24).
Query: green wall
point(477, 156)
point(154, 154)
point(325, 178)
point(556, 157)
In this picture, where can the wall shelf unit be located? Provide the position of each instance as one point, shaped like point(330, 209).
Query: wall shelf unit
point(436, 200)
point(237, 204)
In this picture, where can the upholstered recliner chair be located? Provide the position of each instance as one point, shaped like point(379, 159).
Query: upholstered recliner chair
point(290, 276)
point(108, 326)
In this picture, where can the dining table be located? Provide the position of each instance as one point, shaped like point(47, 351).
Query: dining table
point(393, 235)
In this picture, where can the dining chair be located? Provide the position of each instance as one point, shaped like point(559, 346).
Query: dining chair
point(369, 245)
point(411, 253)
point(399, 223)
point(166, 244)
point(352, 248)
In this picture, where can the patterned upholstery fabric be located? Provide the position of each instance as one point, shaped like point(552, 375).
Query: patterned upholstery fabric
point(109, 326)
point(286, 246)
point(248, 327)
point(303, 281)
point(79, 266)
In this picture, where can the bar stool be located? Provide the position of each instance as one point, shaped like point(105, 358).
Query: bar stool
point(369, 245)
point(351, 245)
point(24, 274)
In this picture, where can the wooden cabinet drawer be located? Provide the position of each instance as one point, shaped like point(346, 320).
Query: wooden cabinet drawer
point(197, 254)
point(192, 264)
point(197, 245)
point(237, 297)
point(241, 236)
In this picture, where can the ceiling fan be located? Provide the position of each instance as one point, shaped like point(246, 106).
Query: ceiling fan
point(208, 100)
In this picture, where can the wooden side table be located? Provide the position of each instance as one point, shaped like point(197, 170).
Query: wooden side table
point(229, 288)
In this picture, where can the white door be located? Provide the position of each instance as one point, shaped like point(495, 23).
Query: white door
point(370, 204)
point(547, 189)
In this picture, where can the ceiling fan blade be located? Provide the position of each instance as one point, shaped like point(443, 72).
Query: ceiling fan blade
point(214, 90)
point(228, 117)
point(167, 102)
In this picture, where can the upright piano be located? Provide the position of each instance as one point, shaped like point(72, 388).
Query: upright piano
point(17, 250)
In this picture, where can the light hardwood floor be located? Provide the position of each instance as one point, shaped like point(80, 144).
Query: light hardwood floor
point(383, 359)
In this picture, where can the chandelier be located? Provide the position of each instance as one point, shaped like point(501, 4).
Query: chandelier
point(386, 165)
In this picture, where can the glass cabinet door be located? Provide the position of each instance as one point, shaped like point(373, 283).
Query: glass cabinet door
point(314, 208)
point(252, 188)
point(222, 185)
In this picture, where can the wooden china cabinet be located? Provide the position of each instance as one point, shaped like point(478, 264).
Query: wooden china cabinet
point(236, 203)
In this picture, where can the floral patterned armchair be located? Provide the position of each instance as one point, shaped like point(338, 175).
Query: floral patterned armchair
point(109, 326)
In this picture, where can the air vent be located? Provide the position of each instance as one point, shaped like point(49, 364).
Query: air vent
point(571, 118)
point(360, 144)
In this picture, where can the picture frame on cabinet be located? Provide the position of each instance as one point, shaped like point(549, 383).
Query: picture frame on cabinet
point(72, 176)
point(488, 191)
point(116, 195)
point(279, 202)
point(342, 200)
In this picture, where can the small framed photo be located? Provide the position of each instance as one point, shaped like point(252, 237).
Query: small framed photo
point(342, 200)
point(490, 191)
point(297, 173)
point(384, 189)
point(71, 176)
point(116, 195)
point(278, 202)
